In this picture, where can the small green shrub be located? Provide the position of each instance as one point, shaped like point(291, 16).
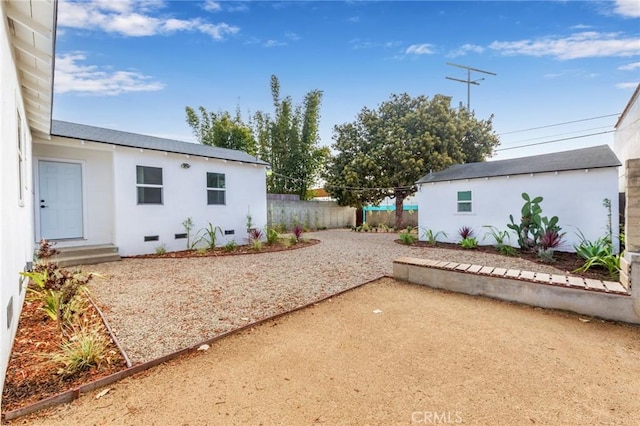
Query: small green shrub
point(209, 235)
point(469, 243)
point(506, 250)
point(161, 249)
point(230, 246)
point(407, 238)
point(432, 236)
point(545, 254)
point(85, 348)
point(187, 224)
point(272, 236)
point(598, 253)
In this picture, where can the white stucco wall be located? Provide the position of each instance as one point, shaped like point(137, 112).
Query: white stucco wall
point(576, 197)
point(97, 172)
point(626, 141)
point(16, 226)
point(184, 195)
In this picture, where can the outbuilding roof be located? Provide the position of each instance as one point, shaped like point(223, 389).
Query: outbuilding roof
point(585, 158)
point(135, 140)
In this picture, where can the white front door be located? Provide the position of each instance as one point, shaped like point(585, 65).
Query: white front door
point(60, 202)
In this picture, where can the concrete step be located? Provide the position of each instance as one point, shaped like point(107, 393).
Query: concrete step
point(86, 255)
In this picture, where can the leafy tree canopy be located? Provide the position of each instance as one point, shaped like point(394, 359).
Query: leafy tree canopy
point(385, 151)
point(289, 141)
point(221, 130)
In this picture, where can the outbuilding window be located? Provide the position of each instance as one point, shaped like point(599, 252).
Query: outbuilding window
point(464, 202)
point(216, 188)
point(149, 184)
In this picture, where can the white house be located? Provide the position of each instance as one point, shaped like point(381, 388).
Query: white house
point(573, 185)
point(27, 39)
point(96, 186)
point(626, 140)
point(85, 186)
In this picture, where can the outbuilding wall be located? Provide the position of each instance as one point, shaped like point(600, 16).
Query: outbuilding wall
point(576, 197)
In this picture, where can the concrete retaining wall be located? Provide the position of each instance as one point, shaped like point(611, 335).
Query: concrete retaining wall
point(310, 214)
point(610, 302)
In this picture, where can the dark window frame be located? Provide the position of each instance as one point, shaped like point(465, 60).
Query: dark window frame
point(143, 186)
point(216, 188)
point(464, 202)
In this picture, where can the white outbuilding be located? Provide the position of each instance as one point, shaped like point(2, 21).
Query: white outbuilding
point(574, 186)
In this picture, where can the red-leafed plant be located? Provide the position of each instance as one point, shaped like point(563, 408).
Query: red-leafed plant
point(465, 232)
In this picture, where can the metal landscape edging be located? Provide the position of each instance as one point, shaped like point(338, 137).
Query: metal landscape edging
point(73, 394)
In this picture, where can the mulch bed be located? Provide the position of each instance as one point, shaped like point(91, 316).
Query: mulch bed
point(221, 251)
point(564, 261)
point(30, 377)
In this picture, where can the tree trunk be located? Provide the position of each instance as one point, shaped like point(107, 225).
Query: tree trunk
point(400, 195)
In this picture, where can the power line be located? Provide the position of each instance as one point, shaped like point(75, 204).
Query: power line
point(560, 134)
point(559, 124)
point(468, 81)
point(555, 140)
point(351, 188)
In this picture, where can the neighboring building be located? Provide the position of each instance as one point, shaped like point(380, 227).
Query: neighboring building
point(626, 140)
point(573, 184)
point(27, 39)
point(385, 212)
point(102, 186)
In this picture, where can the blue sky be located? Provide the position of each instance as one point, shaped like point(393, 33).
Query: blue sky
point(135, 65)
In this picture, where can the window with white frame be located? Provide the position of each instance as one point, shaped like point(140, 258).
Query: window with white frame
point(149, 184)
point(21, 161)
point(216, 188)
point(464, 201)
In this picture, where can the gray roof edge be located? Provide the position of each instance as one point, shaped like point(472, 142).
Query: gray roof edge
point(424, 180)
point(605, 149)
point(248, 158)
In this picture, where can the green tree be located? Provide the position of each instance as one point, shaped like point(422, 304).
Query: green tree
point(221, 130)
point(289, 142)
point(385, 151)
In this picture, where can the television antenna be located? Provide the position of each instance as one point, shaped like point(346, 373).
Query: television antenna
point(468, 81)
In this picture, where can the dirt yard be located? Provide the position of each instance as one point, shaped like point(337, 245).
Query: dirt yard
point(429, 357)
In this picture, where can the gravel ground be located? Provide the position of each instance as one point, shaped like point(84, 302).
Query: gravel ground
point(159, 306)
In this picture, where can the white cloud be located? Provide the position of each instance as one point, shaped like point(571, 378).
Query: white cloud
point(572, 73)
point(580, 27)
point(133, 18)
point(579, 45)
point(354, 19)
point(358, 44)
point(420, 49)
point(292, 36)
point(627, 85)
point(211, 6)
point(464, 49)
point(629, 67)
point(72, 76)
point(274, 43)
point(628, 8)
